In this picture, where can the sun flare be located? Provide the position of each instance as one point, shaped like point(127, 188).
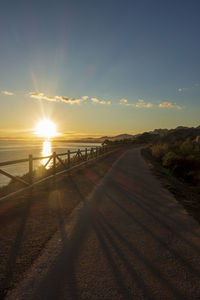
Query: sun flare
point(46, 129)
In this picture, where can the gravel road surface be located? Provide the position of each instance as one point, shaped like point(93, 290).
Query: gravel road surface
point(129, 239)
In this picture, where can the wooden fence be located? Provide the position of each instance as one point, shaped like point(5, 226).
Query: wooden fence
point(59, 163)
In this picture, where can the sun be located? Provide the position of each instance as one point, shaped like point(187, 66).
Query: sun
point(46, 129)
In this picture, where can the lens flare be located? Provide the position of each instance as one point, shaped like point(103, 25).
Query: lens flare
point(46, 151)
point(46, 129)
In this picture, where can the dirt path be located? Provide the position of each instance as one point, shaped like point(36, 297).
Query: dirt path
point(129, 240)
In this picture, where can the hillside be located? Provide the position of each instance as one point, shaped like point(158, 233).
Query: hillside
point(180, 133)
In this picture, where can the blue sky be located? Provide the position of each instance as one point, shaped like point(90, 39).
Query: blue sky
point(146, 52)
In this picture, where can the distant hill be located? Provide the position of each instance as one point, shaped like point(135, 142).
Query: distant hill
point(160, 132)
point(103, 138)
point(117, 137)
point(163, 132)
point(181, 128)
point(180, 132)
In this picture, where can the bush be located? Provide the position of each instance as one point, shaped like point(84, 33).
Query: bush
point(159, 150)
point(170, 159)
point(188, 148)
point(182, 157)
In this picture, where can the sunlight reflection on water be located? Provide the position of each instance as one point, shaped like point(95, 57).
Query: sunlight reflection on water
point(14, 150)
point(46, 151)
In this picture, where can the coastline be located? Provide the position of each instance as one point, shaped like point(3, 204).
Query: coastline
point(17, 150)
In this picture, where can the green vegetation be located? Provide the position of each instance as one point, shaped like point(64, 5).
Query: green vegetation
point(144, 138)
point(176, 150)
point(181, 158)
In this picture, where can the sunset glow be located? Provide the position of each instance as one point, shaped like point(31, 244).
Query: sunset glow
point(94, 76)
point(46, 151)
point(46, 129)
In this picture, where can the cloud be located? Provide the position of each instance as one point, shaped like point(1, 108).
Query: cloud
point(74, 100)
point(96, 100)
point(85, 97)
point(62, 98)
point(41, 96)
point(141, 103)
point(183, 89)
point(170, 105)
point(7, 93)
point(194, 86)
point(68, 100)
point(102, 102)
point(122, 101)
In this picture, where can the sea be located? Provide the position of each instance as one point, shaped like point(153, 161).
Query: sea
point(14, 150)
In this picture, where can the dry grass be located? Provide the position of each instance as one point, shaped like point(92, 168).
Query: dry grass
point(187, 195)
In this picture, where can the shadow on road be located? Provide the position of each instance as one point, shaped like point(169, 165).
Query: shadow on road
point(14, 251)
point(148, 247)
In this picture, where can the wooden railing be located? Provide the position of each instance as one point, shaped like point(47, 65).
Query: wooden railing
point(58, 163)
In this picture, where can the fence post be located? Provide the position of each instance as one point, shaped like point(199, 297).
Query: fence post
point(79, 155)
point(85, 153)
point(54, 163)
point(68, 158)
point(30, 168)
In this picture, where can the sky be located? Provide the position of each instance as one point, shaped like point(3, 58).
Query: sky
point(99, 67)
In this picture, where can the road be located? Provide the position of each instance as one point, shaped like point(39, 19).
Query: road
point(129, 239)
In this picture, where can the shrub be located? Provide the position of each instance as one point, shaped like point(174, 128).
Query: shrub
point(180, 155)
point(187, 147)
point(170, 159)
point(159, 150)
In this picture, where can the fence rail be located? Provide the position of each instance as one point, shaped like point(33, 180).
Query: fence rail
point(58, 165)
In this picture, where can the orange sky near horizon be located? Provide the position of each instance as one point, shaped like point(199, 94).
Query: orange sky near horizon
point(88, 118)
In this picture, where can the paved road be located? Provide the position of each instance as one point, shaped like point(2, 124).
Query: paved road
point(129, 240)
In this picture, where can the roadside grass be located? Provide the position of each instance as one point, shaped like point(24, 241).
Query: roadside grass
point(186, 194)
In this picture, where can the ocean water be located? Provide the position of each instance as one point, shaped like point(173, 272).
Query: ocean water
point(13, 150)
